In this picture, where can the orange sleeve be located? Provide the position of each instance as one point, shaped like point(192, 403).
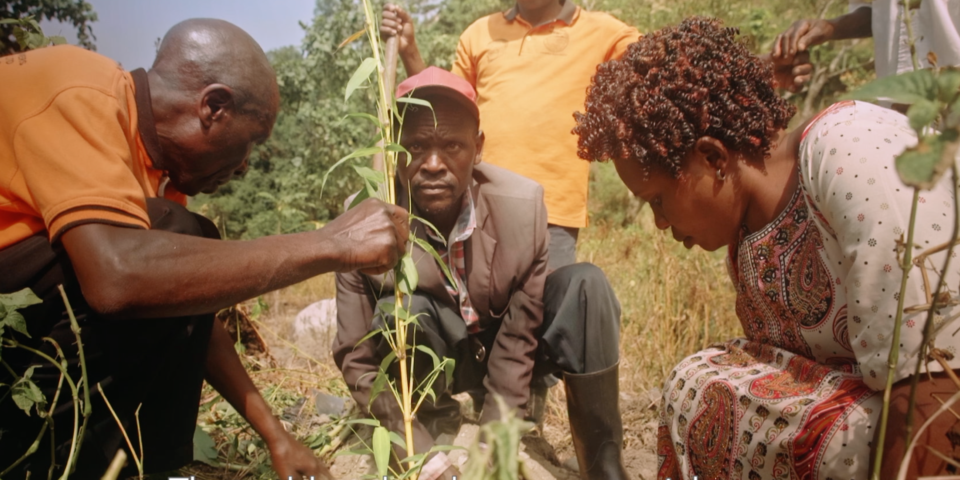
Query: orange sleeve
point(76, 161)
point(623, 39)
point(465, 65)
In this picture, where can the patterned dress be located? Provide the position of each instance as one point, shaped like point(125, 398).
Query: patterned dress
point(817, 291)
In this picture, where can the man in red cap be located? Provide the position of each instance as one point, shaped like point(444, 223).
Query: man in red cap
point(503, 319)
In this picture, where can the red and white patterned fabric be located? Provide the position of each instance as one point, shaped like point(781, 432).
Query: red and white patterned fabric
point(817, 296)
point(451, 251)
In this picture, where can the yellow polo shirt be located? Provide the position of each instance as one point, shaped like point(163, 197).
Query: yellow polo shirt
point(530, 80)
point(70, 149)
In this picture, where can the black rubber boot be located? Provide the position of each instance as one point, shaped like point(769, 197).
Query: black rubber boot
point(595, 424)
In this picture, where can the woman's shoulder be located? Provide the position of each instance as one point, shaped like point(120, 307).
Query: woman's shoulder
point(849, 132)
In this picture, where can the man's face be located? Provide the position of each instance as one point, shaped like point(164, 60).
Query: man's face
point(203, 159)
point(442, 155)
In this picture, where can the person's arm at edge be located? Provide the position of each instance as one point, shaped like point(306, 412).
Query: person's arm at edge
point(226, 374)
point(397, 22)
point(133, 273)
point(807, 33)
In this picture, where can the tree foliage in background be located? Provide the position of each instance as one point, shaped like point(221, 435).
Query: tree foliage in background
point(281, 191)
point(78, 13)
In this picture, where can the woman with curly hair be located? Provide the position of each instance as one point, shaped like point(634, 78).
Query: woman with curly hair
point(812, 220)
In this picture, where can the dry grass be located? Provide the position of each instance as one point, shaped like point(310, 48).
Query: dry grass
point(675, 301)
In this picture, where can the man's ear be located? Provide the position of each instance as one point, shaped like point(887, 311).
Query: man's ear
point(479, 142)
point(216, 100)
point(710, 153)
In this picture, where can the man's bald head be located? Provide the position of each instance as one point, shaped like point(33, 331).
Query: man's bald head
point(199, 52)
point(214, 96)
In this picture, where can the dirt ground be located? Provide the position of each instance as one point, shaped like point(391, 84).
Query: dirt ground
point(549, 448)
point(289, 359)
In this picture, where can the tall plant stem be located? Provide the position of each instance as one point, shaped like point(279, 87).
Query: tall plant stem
point(406, 393)
point(928, 327)
point(384, 103)
point(137, 459)
point(905, 265)
point(87, 407)
point(384, 112)
point(911, 40)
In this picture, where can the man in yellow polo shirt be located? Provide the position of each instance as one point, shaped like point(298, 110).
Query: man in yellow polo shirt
point(531, 67)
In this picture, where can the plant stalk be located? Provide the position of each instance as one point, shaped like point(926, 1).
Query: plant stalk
point(905, 265)
point(928, 327)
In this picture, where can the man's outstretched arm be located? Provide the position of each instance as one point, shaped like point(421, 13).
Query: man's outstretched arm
point(227, 375)
point(130, 273)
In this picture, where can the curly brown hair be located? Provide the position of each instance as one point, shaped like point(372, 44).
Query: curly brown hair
point(674, 86)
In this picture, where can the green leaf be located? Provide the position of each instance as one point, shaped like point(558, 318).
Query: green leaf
point(415, 101)
point(16, 321)
point(397, 440)
point(381, 450)
point(204, 448)
point(370, 175)
point(19, 299)
point(375, 120)
point(395, 147)
point(425, 245)
point(408, 275)
point(923, 113)
point(923, 165)
point(363, 152)
point(387, 360)
point(378, 385)
point(429, 352)
point(949, 84)
point(909, 88)
point(26, 394)
point(429, 225)
point(363, 421)
point(361, 75)
point(448, 368)
point(359, 197)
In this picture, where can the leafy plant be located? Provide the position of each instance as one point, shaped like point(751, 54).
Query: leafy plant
point(27, 395)
point(934, 99)
point(29, 35)
point(78, 13)
point(399, 323)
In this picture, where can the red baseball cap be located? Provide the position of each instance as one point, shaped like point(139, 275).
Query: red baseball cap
point(434, 80)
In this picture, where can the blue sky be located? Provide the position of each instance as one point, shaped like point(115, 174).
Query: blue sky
point(127, 29)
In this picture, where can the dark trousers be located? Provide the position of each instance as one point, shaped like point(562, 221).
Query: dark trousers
point(580, 333)
point(153, 364)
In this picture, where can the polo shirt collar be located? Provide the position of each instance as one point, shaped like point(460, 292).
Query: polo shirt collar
point(146, 125)
point(567, 13)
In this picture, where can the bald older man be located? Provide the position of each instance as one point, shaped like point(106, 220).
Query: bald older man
point(96, 164)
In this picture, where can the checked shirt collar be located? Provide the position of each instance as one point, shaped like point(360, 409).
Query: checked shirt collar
point(453, 256)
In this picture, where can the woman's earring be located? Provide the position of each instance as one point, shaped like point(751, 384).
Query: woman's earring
point(720, 175)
